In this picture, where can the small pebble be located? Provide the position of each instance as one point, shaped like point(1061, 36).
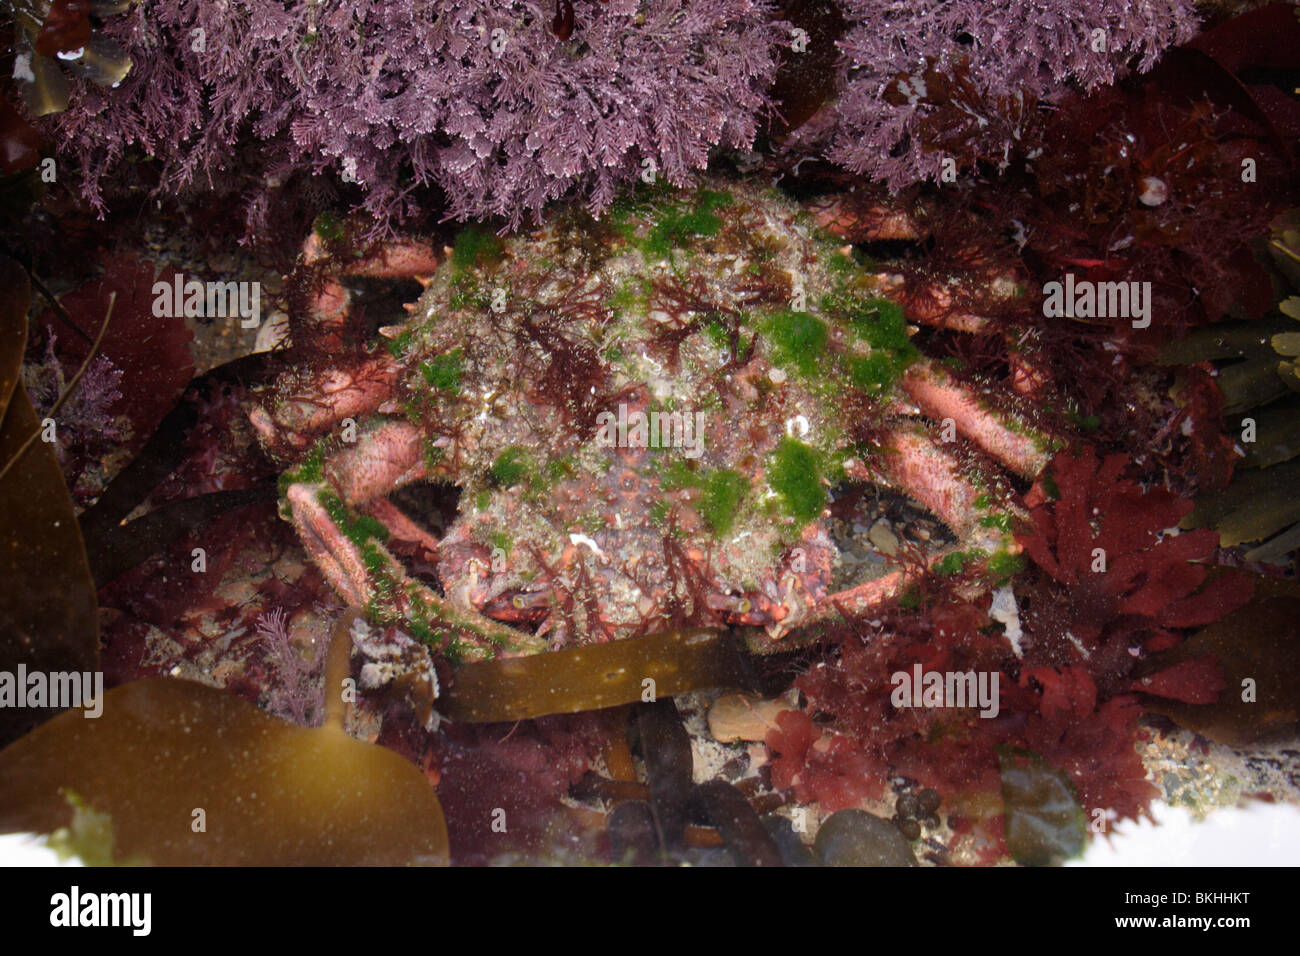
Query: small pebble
point(883, 538)
point(792, 849)
point(858, 838)
point(909, 828)
point(741, 717)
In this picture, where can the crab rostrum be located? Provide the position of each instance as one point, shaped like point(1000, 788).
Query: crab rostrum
point(644, 415)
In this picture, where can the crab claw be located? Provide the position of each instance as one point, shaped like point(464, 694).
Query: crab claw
point(384, 457)
point(354, 560)
point(326, 545)
point(395, 259)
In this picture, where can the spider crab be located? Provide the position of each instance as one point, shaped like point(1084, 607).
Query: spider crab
point(644, 415)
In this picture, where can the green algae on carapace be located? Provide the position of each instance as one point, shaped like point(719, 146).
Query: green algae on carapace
point(650, 407)
point(725, 302)
point(443, 371)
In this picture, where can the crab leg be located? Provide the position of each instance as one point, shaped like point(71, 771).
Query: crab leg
point(367, 383)
point(857, 218)
point(1010, 440)
point(955, 487)
point(864, 597)
point(935, 307)
point(1030, 376)
point(929, 472)
point(395, 259)
point(344, 393)
point(342, 566)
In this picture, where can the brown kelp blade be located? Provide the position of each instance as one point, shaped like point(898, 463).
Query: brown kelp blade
point(1258, 647)
point(1258, 503)
point(188, 775)
point(591, 678)
point(49, 619)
